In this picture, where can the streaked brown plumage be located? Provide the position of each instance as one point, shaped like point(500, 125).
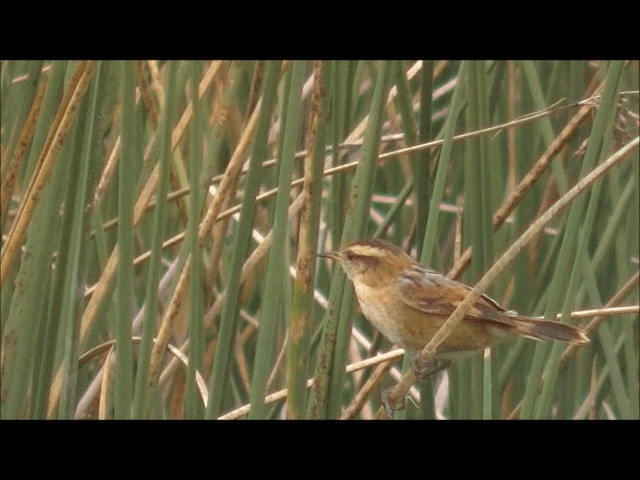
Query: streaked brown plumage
point(408, 303)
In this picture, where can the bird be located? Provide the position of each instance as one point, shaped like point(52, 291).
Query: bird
point(408, 303)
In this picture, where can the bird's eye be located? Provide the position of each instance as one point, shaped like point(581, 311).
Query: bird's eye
point(351, 257)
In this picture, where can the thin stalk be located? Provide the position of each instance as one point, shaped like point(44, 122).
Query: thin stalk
point(241, 244)
point(141, 394)
point(302, 308)
point(123, 388)
point(193, 408)
point(276, 270)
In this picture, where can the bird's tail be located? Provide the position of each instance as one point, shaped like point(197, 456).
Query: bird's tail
point(543, 330)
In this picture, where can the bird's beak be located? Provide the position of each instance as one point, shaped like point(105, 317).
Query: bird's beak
point(332, 255)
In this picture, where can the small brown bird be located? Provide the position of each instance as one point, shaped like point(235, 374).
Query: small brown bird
point(408, 303)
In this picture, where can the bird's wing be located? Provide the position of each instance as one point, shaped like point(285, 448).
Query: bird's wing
point(428, 291)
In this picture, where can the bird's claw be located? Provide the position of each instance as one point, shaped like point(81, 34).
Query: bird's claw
point(391, 405)
point(424, 369)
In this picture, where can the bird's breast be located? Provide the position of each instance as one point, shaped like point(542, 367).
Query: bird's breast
point(378, 307)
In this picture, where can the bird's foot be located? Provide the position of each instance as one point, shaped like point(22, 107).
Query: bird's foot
point(390, 405)
point(424, 369)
